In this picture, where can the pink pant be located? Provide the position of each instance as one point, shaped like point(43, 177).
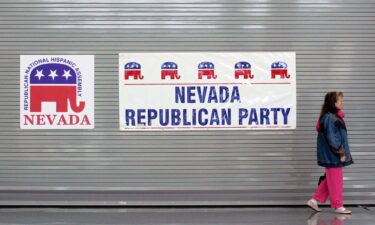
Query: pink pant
point(332, 186)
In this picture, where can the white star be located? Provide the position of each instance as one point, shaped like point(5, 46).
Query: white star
point(53, 74)
point(67, 74)
point(39, 74)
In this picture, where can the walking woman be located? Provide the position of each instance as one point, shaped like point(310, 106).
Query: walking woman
point(332, 153)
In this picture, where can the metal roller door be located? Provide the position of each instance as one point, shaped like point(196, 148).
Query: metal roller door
point(335, 47)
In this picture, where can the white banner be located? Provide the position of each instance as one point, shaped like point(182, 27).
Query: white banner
point(202, 90)
point(57, 92)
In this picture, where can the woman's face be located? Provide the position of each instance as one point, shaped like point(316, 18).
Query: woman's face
point(339, 103)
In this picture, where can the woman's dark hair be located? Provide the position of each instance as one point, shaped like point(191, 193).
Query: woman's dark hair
point(329, 103)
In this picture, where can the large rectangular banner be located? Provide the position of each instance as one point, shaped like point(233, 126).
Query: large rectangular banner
point(205, 90)
point(57, 92)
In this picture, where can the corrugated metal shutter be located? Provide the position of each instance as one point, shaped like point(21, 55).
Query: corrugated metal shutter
point(334, 42)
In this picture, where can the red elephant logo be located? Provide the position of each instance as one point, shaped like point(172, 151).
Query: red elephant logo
point(206, 69)
point(133, 69)
point(243, 69)
point(57, 83)
point(169, 69)
point(279, 69)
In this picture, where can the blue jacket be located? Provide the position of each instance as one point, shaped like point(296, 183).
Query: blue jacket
point(332, 135)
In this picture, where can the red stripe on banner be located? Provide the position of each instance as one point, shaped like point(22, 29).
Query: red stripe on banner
point(145, 84)
point(271, 83)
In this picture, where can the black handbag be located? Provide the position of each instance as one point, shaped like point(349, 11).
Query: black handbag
point(321, 178)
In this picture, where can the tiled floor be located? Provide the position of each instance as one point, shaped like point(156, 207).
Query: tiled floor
point(183, 216)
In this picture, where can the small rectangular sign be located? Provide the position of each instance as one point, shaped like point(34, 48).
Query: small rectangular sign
point(57, 92)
